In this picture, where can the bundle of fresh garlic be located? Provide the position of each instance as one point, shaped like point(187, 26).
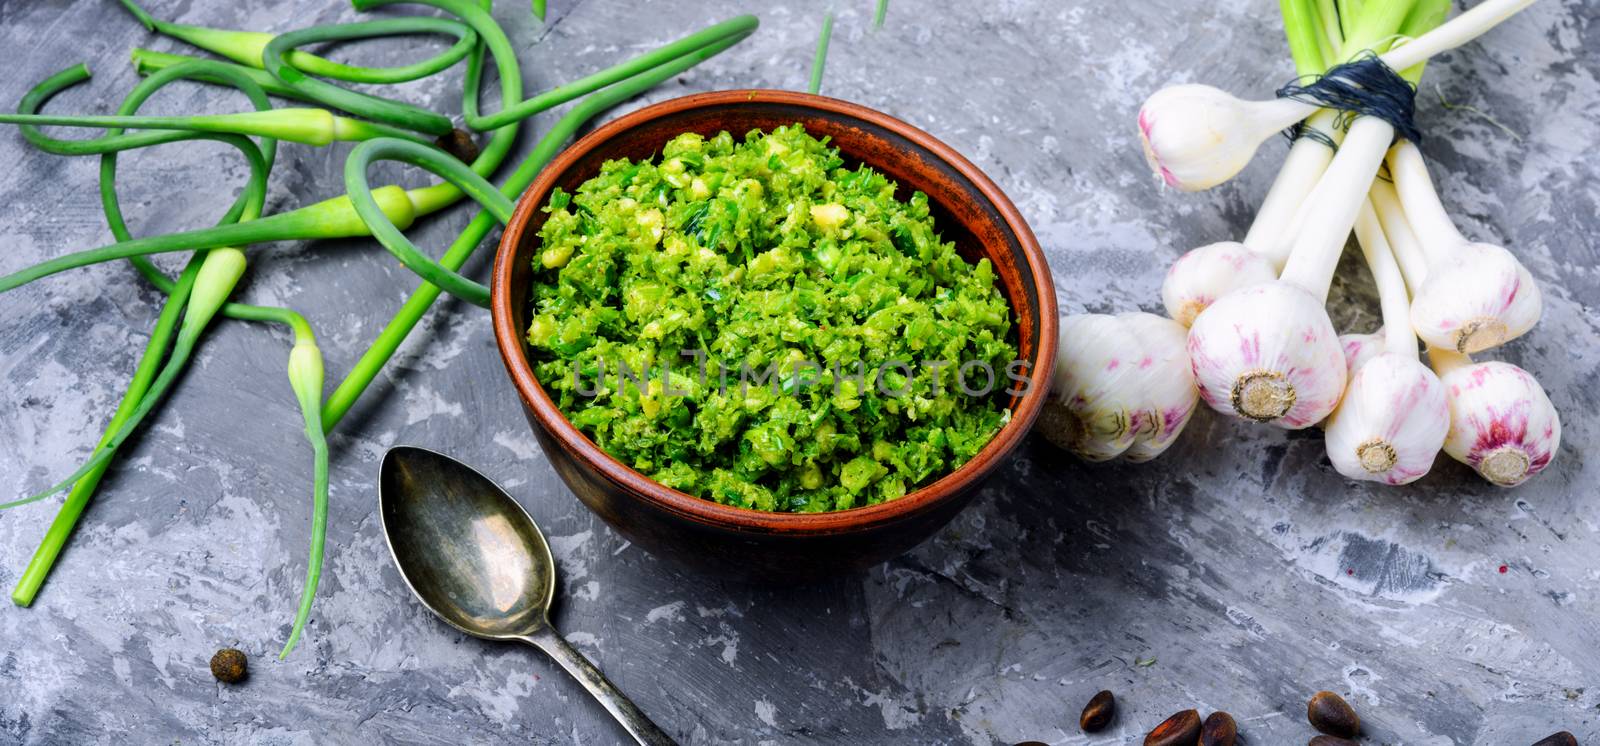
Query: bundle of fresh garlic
point(1260, 344)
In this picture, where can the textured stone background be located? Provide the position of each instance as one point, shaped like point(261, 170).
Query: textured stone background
point(1249, 572)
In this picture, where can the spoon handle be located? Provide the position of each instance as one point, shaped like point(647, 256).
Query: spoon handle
point(615, 702)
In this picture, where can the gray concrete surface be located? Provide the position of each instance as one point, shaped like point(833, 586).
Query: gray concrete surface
point(1238, 572)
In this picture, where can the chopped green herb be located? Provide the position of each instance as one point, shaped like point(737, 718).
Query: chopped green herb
point(800, 311)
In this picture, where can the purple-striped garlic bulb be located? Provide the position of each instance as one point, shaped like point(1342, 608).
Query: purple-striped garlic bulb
point(1122, 386)
point(1502, 423)
point(1201, 276)
point(1268, 353)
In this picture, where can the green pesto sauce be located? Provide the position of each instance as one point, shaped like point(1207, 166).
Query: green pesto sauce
point(766, 252)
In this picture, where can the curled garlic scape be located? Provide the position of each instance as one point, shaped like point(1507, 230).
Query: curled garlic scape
point(1121, 387)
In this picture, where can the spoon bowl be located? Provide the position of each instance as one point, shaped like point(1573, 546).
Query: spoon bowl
point(471, 554)
point(474, 557)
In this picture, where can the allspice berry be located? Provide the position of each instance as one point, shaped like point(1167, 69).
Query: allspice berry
point(1219, 729)
point(1329, 713)
point(229, 665)
point(1098, 713)
point(1182, 729)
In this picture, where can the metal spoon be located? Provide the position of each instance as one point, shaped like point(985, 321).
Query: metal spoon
point(476, 559)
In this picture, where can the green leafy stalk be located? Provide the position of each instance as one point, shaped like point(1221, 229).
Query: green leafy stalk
point(368, 106)
point(1375, 28)
point(147, 62)
point(336, 217)
point(1333, 31)
point(66, 519)
point(305, 126)
point(695, 46)
point(820, 59)
point(305, 377)
point(539, 9)
point(332, 218)
point(218, 273)
point(441, 165)
point(61, 527)
point(1304, 32)
point(879, 14)
point(246, 48)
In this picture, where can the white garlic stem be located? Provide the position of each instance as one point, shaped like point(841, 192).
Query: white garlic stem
point(1394, 416)
point(1399, 339)
point(1334, 204)
point(1397, 229)
point(1271, 233)
point(1224, 132)
point(1478, 295)
point(1424, 211)
point(1453, 33)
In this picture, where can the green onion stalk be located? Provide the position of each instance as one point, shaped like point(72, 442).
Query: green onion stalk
point(820, 59)
point(443, 166)
point(274, 59)
point(305, 126)
point(305, 367)
point(305, 359)
point(295, 73)
point(249, 48)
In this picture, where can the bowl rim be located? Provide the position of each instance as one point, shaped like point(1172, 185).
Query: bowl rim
point(510, 342)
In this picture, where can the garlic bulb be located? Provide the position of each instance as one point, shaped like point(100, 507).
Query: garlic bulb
point(1170, 393)
point(1477, 297)
point(1502, 423)
point(1268, 353)
point(1391, 423)
point(1202, 275)
point(1359, 348)
point(1196, 136)
point(1121, 386)
point(1392, 420)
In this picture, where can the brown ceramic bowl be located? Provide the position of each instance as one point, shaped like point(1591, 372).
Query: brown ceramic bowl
point(748, 544)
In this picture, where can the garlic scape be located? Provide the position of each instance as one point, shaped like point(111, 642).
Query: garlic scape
point(1392, 420)
point(1475, 295)
point(1502, 423)
point(1122, 386)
